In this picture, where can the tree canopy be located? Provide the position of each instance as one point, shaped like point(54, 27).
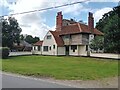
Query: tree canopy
point(29, 38)
point(97, 43)
point(109, 26)
point(10, 32)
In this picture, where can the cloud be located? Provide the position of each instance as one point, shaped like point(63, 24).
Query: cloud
point(103, 1)
point(4, 3)
point(31, 23)
point(34, 23)
point(70, 9)
point(99, 13)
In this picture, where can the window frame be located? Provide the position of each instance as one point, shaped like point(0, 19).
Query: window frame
point(53, 46)
point(46, 50)
point(49, 36)
point(73, 48)
point(50, 48)
point(86, 47)
point(39, 48)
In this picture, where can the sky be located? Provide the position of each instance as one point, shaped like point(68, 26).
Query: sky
point(39, 23)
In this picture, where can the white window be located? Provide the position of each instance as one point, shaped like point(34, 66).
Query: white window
point(45, 48)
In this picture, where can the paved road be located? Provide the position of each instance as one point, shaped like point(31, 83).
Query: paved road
point(14, 81)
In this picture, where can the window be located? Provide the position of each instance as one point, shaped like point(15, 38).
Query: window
point(39, 48)
point(86, 47)
point(73, 50)
point(45, 48)
point(34, 47)
point(53, 46)
point(67, 36)
point(50, 47)
point(73, 47)
point(49, 37)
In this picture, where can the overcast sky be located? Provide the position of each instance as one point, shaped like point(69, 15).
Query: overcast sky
point(38, 23)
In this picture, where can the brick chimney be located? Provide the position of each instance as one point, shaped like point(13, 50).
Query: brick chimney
point(91, 22)
point(59, 18)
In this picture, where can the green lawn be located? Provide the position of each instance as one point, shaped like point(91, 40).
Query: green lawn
point(70, 68)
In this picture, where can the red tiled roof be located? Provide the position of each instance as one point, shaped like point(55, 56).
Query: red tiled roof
point(78, 28)
point(72, 29)
point(39, 43)
point(58, 39)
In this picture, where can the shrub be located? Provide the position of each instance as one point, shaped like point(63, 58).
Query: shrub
point(4, 52)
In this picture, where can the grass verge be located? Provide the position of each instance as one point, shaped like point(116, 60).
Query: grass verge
point(69, 68)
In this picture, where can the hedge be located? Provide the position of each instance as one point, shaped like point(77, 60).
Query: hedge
point(4, 52)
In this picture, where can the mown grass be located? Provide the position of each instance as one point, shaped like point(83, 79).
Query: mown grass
point(70, 68)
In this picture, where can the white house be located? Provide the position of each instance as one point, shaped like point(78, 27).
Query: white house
point(37, 47)
point(70, 37)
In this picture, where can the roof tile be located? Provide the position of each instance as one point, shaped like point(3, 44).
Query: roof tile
point(39, 43)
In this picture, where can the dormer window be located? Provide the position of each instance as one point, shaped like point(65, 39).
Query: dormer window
point(49, 37)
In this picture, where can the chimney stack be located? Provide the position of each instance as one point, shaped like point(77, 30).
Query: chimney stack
point(91, 22)
point(59, 18)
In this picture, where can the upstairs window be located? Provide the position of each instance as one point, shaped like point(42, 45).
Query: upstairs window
point(67, 36)
point(49, 37)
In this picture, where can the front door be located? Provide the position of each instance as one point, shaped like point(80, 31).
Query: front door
point(67, 50)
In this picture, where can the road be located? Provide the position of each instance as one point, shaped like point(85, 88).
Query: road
point(15, 81)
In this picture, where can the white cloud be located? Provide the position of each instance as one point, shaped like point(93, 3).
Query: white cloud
point(3, 3)
point(34, 23)
point(103, 1)
point(70, 9)
point(99, 13)
point(31, 23)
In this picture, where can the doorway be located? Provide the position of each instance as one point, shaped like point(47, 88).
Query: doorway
point(67, 50)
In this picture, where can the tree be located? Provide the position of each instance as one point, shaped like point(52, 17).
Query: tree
point(30, 39)
point(10, 32)
point(109, 26)
point(97, 43)
point(36, 39)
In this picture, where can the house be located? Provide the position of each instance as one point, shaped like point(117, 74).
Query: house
point(70, 37)
point(23, 46)
point(37, 47)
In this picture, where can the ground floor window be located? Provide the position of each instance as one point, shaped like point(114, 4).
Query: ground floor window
point(73, 47)
point(34, 48)
point(39, 48)
point(53, 46)
point(86, 47)
point(50, 47)
point(45, 48)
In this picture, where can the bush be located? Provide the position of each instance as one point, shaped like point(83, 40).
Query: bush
point(4, 52)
